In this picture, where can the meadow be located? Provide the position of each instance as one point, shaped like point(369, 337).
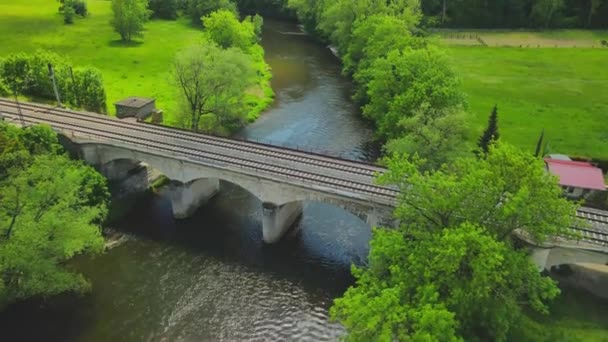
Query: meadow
point(563, 90)
point(142, 68)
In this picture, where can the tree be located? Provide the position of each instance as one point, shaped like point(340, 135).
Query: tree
point(406, 81)
point(337, 17)
point(212, 83)
point(68, 15)
point(545, 11)
point(50, 208)
point(164, 9)
point(439, 135)
point(451, 271)
point(88, 91)
point(490, 135)
point(539, 145)
point(508, 191)
point(454, 284)
point(200, 8)
point(129, 17)
point(224, 28)
point(372, 35)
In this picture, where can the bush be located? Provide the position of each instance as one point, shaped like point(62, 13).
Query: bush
point(71, 8)
point(80, 7)
point(164, 9)
point(88, 91)
point(200, 8)
point(68, 15)
point(28, 74)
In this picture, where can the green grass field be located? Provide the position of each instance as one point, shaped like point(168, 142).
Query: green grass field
point(561, 90)
point(141, 69)
point(574, 316)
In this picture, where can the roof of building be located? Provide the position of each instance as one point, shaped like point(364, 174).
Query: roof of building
point(134, 102)
point(577, 174)
point(559, 157)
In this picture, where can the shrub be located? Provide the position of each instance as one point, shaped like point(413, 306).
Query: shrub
point(164, 9)
point(80, 7)
point(88, 91)
point(28, 75)
point(68, 15)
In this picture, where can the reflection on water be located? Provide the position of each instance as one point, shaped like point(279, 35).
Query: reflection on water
point(210, 278)
point(312, 108)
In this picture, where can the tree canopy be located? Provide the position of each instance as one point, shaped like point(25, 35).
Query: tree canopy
point(129, 17)
point(212, 82)
point(224, 28)
point(517, 13)
point(50, 209)
point(451, 271)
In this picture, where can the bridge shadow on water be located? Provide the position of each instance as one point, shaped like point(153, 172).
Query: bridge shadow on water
point(321, 246)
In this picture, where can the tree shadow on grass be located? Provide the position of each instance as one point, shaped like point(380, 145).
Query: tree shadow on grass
point(120, 43)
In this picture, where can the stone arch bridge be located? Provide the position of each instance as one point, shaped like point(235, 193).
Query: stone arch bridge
point(281, 178)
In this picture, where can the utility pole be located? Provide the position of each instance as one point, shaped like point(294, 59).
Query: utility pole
point(74, 88)
point(52, 76)
point(19, 110)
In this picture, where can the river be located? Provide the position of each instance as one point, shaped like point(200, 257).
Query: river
point(211, 278)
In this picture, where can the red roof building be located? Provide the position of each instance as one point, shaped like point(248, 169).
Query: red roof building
point(576, 174)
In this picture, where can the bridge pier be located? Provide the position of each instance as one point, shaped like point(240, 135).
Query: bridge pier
point(187, 198)
point(119, 169)
point(278, 219)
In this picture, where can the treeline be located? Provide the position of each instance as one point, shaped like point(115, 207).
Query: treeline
point(404, 81)
point(80, 87)
point(517, 13)
point(51, 208)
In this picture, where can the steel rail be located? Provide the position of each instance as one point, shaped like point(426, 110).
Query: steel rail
point(239, 162)
point(250, 147)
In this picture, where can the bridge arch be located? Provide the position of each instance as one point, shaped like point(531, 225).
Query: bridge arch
point(282, 201)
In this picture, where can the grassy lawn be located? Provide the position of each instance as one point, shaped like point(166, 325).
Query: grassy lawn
point(574, 316)
point(517, 38)
point(561, 90)
point(141, 69)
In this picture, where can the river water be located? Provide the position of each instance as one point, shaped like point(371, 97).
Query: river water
point(211, 278)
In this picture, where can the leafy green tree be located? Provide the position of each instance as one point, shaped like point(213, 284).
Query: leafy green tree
point(68, 15)
point(212, 84)
point(129, 17)
point(308, 12)
point(50, 208)
point(490, 134)
point(164, 9)
point(88, 91)
point(15, 74)
point(509, 191)
point(200, 8)
point(451, 271)
point(439, 135)
point(337, 17)
point(224, 28)
point(407, 81)
point(372, 35)
point(453, 284)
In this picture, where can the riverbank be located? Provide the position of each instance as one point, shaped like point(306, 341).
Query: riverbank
point(143, 68)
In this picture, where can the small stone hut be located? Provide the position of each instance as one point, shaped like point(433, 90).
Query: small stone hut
point(138, 107)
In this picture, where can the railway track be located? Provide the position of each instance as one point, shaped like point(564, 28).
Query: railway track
point(598, 219)
point(138, 134)
point(210, 157)
point(291, 155)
